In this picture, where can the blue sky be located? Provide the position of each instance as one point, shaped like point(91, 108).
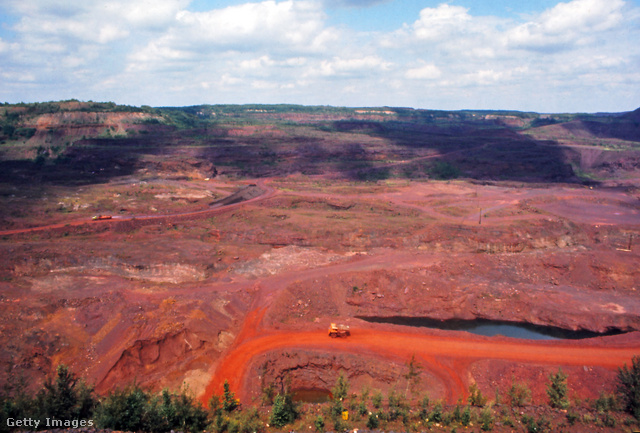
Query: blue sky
point(539, 55)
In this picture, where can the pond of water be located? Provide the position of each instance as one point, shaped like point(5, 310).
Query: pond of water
point(492, 328)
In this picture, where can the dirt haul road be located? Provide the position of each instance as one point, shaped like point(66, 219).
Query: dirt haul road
point(447, 358)
point(267, 192)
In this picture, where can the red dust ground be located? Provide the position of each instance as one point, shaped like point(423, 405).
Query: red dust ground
point(184, 287)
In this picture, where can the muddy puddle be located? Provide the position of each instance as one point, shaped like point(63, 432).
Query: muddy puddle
point(491, 328)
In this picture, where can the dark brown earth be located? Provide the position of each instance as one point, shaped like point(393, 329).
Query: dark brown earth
point(337, 218)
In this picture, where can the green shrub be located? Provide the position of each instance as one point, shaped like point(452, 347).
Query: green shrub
point(486, 419)
point(396, 406)
point(268, 394)
point(587, 418)
point(319, 423)
point(65, 398)
point(572, 417)
point(362, 408)
point(443, 170)
point(519, 394)
point(475, 396)
point(373, 422)
point(229, 400)
point(15, 402)
point(249, 422)
point(628, 387)
point(607, 420)
point(215, 405)
point(465, 418)
point(532, 425)
point(341, 389)
point(457, 413)
point(507, 421)
point(557, 390)
point(436, 413)
point(376, 400)
point(284, 411)
point(123, 410)
point(133, 409)
point(605, 403)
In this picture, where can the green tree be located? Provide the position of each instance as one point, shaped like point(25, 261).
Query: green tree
point(486, 419)
point(519, 394)
point(14, 401)
point(373, 422)
point(557, 390)
point(123, 410)
point(414, 369)
point(465, 418)
point(229, 400)
point(284, 411)
point(341, 388)
point(249, 421)
point(605, 403)
point(215, 405)
point(396, 405)
point(475, 396)
point(340, 392)
point(376, 400)
point(628, 387)
point(134, 409)
point(436, 413)
point(66, 397)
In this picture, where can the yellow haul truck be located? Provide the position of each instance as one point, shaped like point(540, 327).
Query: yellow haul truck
point(336, 331)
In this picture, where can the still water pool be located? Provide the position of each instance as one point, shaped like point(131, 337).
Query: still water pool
point(492, 328)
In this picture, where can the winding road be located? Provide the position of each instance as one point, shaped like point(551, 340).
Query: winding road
point(447, 358)
point(268, 192)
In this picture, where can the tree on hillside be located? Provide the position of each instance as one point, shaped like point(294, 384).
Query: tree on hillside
point(557, 390)
point(284, 411)
point(414, 369)
point(229, 400)
point(628, 387)
point(65, 397)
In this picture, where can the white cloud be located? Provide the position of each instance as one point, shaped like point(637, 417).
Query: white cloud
point(424, 72)
point(567, 23)
point(353, 66)
point(295, 24)
point(159, 52)
point(354, 3)
point(437, 23)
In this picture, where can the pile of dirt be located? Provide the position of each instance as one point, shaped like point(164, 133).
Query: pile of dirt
point(286, 259)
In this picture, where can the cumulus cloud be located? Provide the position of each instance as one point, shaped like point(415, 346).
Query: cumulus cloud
point(162, 53)
point(424, 72)
point(288, 28)
point(353, 66)
point(292, 23)
point(354, 3)
point(440, 22)
point(101, 21)
point(566, 24)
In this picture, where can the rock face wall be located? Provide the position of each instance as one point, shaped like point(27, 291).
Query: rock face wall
point(67, 127)
point(319, 370)
point(155, 357)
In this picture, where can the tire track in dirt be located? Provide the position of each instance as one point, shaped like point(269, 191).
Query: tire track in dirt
point(268, 192)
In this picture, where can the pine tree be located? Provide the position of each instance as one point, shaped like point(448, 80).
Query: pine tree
point(628, 387)
point(557, 390)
